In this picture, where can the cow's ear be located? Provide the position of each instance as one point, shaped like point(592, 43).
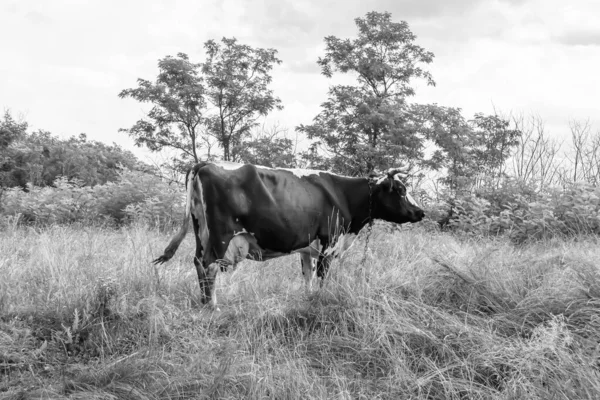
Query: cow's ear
point(383, 182)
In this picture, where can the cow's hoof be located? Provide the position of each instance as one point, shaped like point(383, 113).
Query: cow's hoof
point(213, 309)
point(210, 306)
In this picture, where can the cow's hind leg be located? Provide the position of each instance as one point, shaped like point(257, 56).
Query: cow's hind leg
point(238, 248)
point(199, 260)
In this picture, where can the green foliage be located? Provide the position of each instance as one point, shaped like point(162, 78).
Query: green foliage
point(178, 107)
point(221, 98)
point(12, 171)
point(237, 79)
point(269, 148)
point(524, 215)
point(135, 196)
point(472, 153)
point(455, 144)
point(369, 126)
point(39, 158)
point(274, 153)
point(495, 140)
point(10, 130)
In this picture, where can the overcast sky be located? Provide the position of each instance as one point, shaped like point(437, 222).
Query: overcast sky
point(64, 61)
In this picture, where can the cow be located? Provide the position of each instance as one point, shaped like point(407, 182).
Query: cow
point(343, 241)
point(243, 211)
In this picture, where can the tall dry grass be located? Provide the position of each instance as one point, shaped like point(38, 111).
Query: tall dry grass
point(85, 315)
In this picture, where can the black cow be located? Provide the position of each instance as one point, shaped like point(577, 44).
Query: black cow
point(246, 211)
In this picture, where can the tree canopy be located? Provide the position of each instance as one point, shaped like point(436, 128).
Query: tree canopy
point(367, 126)
point(39, 158)
point(221, 98)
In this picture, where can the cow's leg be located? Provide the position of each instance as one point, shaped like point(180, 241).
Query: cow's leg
point(207, 275)
point(308, 269)
point(205, 260)
point(209, 284)
point(324, 260)
point(201, 235)
point(227, 252)
point(323, 267)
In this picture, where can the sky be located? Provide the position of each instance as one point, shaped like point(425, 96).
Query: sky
point(63, 62)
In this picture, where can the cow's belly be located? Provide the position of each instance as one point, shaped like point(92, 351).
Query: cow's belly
point(244, 245)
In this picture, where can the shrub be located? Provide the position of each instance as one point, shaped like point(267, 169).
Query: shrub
point(135, 196)
point(525, 215)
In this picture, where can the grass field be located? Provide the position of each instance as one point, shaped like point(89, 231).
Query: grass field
point(85, 315)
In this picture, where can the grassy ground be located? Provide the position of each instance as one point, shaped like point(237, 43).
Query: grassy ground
point(84, 315)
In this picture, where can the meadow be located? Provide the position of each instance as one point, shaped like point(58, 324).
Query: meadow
point(429, 315)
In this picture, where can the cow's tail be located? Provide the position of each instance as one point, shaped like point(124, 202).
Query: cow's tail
point(177, 239)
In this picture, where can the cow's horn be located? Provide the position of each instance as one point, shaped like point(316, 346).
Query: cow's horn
point(399, 170)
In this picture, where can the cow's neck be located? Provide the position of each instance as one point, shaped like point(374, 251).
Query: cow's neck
point(356, 191)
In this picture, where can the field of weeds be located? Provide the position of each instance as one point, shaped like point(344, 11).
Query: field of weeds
point(85, 315)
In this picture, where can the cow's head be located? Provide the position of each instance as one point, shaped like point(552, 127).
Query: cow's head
point(390, 199)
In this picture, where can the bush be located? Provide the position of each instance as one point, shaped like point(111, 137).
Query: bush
point(524, 215)
point(135, 196)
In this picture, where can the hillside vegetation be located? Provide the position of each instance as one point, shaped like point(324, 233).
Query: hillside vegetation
point(429, 316)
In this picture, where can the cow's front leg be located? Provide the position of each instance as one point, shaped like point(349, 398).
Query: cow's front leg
point(308, 270)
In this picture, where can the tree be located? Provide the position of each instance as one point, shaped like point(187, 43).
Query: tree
point(10, 130)
point(369, 125)
point(177, 116)
point(454, 144)
point(471, 152)
point(39, 158)
point(237, 78)
point(267, 147)
point(495, 140)
point(535, 159)
point(12, 172)
point(221, 98)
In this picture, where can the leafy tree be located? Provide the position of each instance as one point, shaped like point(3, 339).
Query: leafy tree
point(177, 115)
point(39, 158)
point(471, 152)
point(268, 148)
point(454, 141)
point(10, 130)
point(370, 125)
point(12, 172)
point(221, 98)
point(237, 79)
point(496, 140)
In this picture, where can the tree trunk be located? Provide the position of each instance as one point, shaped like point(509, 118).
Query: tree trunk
point(226, 154)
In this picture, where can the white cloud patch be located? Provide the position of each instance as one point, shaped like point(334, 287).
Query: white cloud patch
point(589, 37)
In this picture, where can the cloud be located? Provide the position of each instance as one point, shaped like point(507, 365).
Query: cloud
point(580, 38)
point(285, 22)
point(38, 18)
point(425, 9)
point(514, 53)
point(10, 7)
